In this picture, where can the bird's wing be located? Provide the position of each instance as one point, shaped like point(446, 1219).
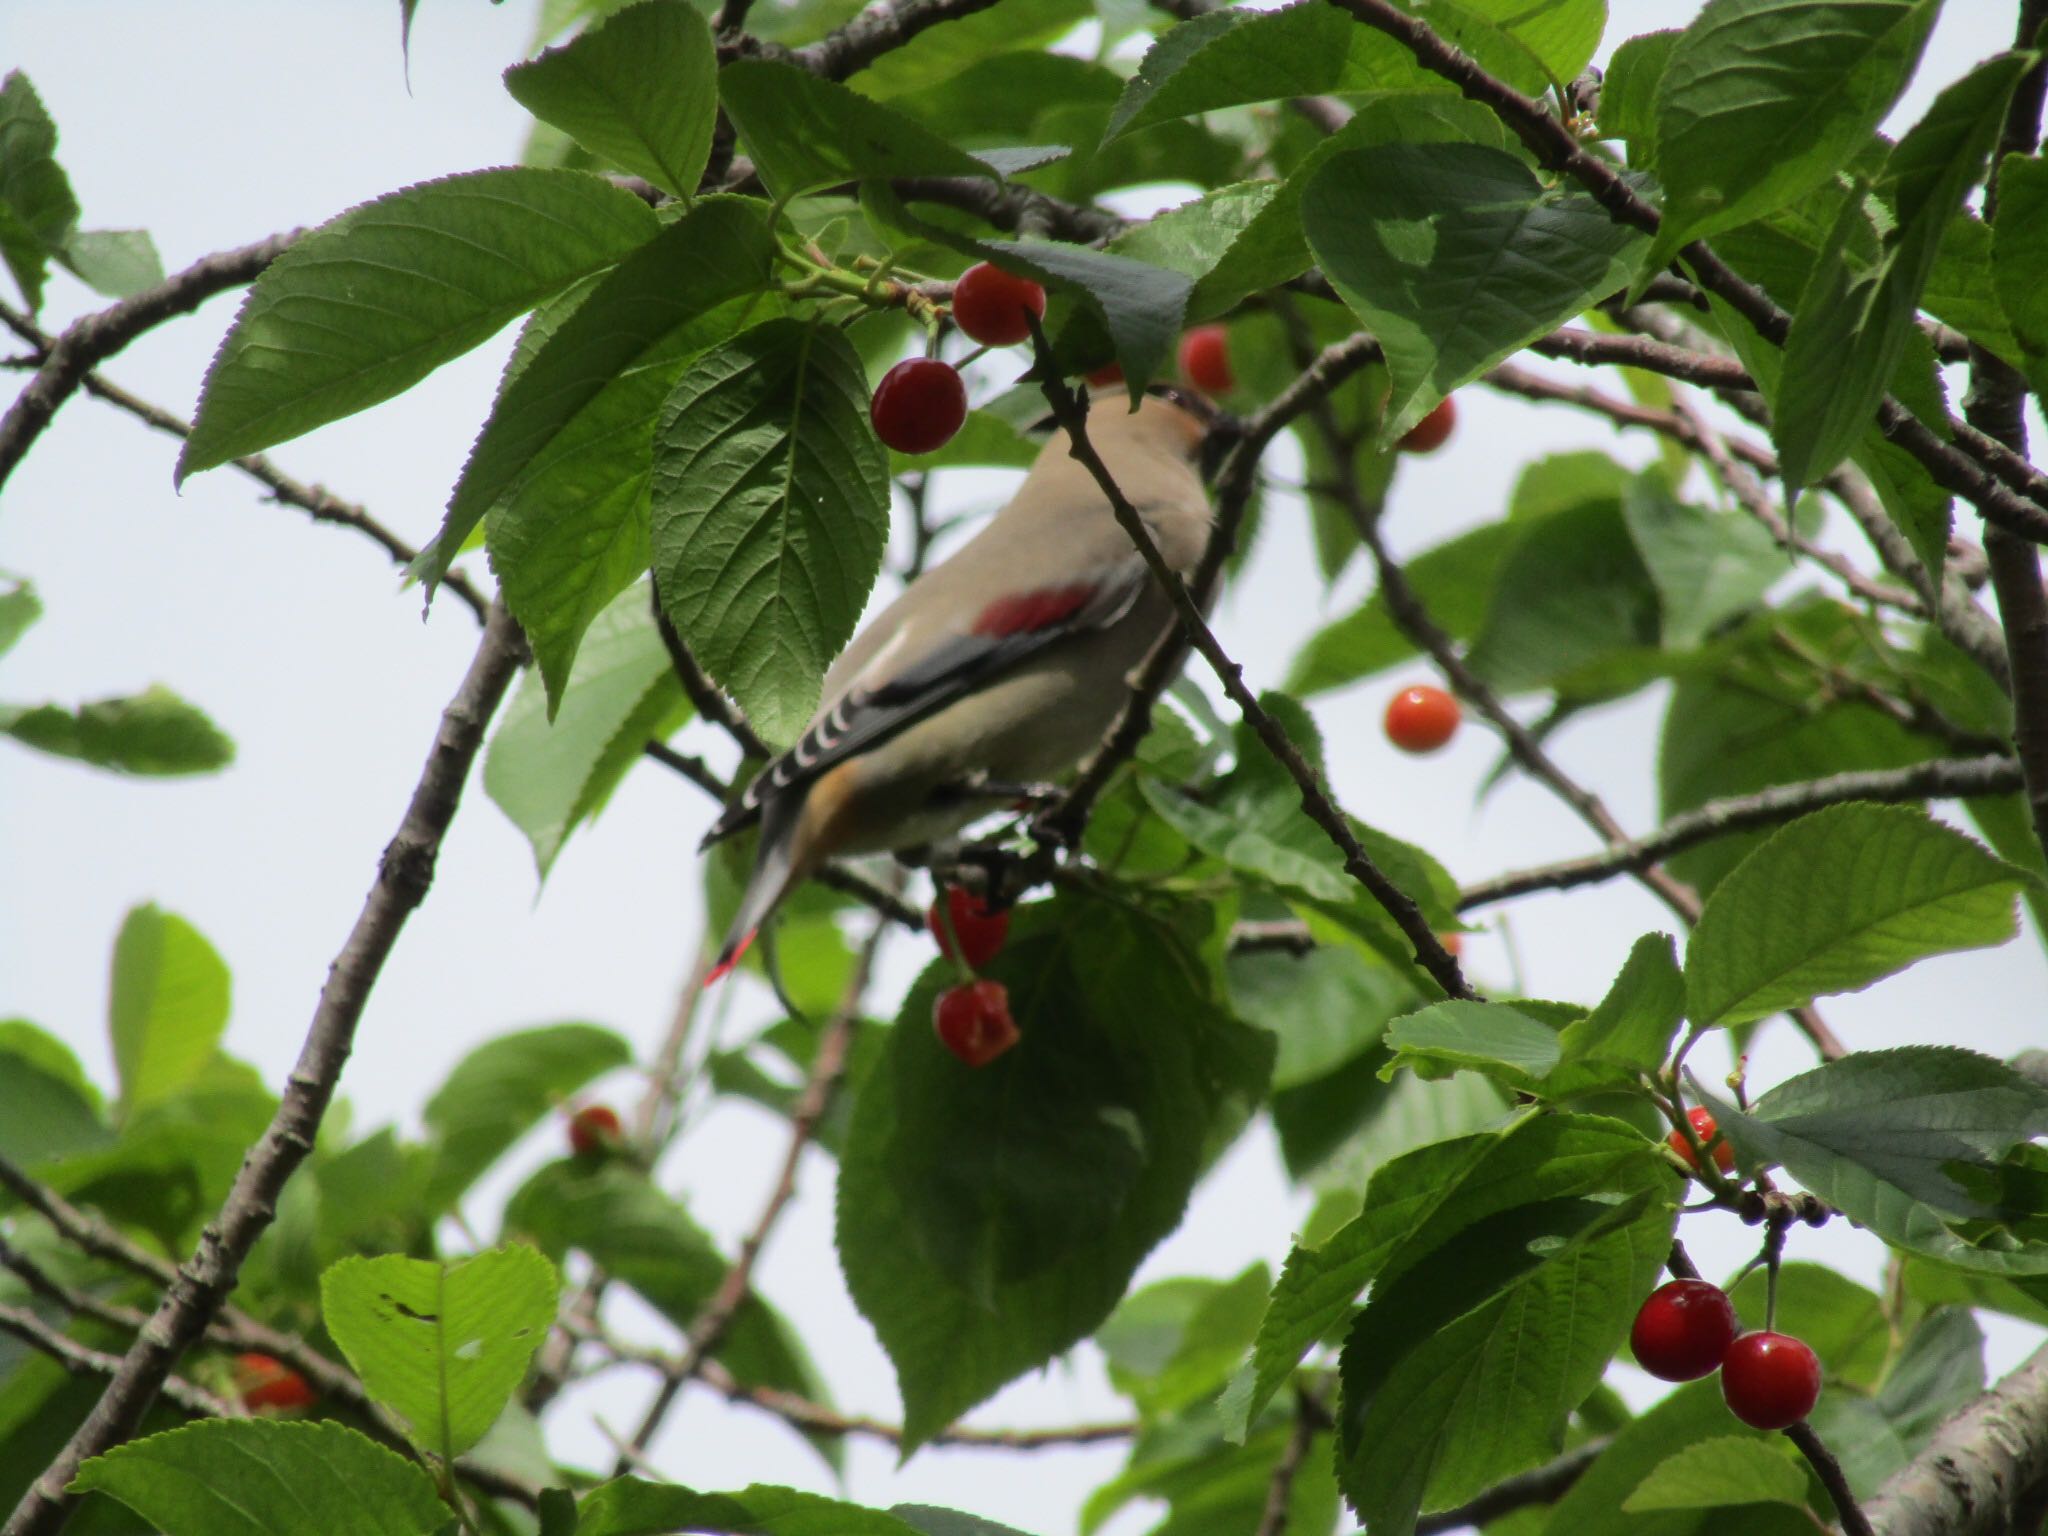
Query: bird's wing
point(1004, 633)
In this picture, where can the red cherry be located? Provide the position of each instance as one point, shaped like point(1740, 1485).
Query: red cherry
point(981, 931)
point(1703, 1126)
point(1422, 719)
point(1770, 1380)
point(1107, 374)
point(263, 1381)
point(1683, 1330)
point(594, 1128)
point(1205, 359)
point(973, 1021)
point(989, 304)
point(1453, 943)
point(919, 405)
point(1431, 433)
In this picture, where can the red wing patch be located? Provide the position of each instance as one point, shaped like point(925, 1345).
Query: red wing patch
point(1024, 613)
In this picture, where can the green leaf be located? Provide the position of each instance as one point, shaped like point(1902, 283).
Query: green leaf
point(1761, 101)
point(1460, 1369)
point(443, 1345)
point(1455, 1035)
point(37, 208)
point(1416, 1202)
point(258, 1477)
point(1234, 241)
point(990, 1218)
point(1456, 256)
point(1838, 900)
point(1231, 58)
point(803, 132)
point(1962, 288)
point(119, 263)
point(1570, 592)
point(1323, 1008)
point(1843, 1322)
point(19, 609)
point(570, 534)
point(717, 252)
point(939, 55)
point(501, 1090)
point(984, 438)
point(770, 510)
point(1912, 1120)
point(47, 1108)
point(639, 89)
point(1209, 1486)
point(1174, 1343)
point(153, 733)
point(626, 1506)
point(1708, 567)
point(551, 777)
point(1854, 319)
point(933, 1521)
point(1628, 95)
point(168, 1006)
point(1630, 1032)
point(369, 304)
point(2019, 254)
point(1454, 581)
point(1728, 1469)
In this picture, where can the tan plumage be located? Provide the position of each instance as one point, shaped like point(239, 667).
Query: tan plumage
point(1006, 662)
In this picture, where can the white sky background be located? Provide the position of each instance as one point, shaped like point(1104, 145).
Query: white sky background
point(212, 125)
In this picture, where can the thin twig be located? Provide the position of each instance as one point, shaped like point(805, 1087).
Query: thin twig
point(1940, 779)
point(1280, 1486)
point(711, 1324)
point(877, 30)
point(89, 342)
point(80, 1360)
point(204, 1281)
point(1071, 411)
point(1829, 1471)
point(1541, 1485)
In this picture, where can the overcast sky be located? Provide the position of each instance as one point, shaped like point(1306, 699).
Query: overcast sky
point(215, 124)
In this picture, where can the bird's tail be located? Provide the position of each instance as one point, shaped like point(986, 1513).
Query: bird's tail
point(775, 871)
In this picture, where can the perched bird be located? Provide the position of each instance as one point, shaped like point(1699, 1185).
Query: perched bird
point(1002, 665)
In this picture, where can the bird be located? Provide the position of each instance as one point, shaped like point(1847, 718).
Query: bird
point(1001, 665)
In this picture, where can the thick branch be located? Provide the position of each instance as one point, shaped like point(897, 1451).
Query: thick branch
point(1977, 1468)
point(1013, 206)
point(875, 31)
point(91, 341)
point(1071, 411)
point(1943, 778)
point(1542, 1485)
point(2001, 485)
point(203, 1283)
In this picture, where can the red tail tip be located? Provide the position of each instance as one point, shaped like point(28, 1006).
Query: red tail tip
point(733, 955)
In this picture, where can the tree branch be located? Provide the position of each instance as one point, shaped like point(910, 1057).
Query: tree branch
point(2001, 485)
point(203, 1283)
point(1978, 1466)
point(1940, 779)
point(875, 31)
point(80, 1361)
point(1542, 1485)
point(89, 342)
point(1071, 411)
point(1995, 405)
point(1829, 1471)
point(1280, 1487)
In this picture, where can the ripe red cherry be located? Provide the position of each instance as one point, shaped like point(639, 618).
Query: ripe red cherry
point(1431, 433)
point(981, 931)
point(594, 1128)
point(989, 305)
point(1422, 719)
point(1683, 1329)
point(1205, 359)
point(1107, 374)
point(973, 1021)
point(1770, 1380)
point(1703, 1126)
point(919, 405)
point(263, 1381)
